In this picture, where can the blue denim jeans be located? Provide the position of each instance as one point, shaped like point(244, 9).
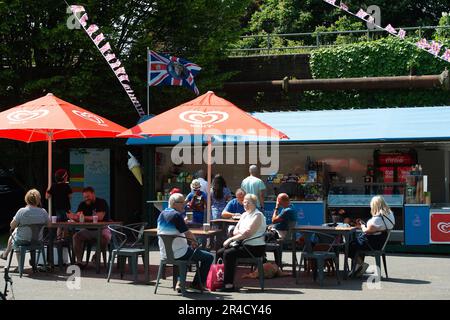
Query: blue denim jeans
point(205, 258)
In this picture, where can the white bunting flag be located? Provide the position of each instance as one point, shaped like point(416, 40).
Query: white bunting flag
point(105, 48)
point(91, 30)
point(343, 6)
point(99, 39)
point(371, 19)
point(402, 34)
point(446, 55)
point(423, 44)
point(435, 48)
point(120, 71)
point(390, 29)
point(83, 20)
point(362, 14)
point(333, 2)
point(110, 57)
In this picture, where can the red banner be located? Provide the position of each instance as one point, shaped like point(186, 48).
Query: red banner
point(440, 227)
point(389, 159)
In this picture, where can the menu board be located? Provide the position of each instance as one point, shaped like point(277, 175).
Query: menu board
point(89, 167)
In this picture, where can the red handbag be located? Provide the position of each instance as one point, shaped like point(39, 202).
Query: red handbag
point(215, 277)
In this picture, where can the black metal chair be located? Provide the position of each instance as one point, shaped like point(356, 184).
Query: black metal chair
point(126, 243)
point(36, 244)
point(319, 256)
point(252, 260)
point(378, 254)
point(181, 264)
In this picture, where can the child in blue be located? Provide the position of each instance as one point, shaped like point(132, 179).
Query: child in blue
point(196, 201)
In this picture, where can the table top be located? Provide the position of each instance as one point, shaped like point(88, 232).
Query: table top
point(196, 232)
point(83, 224)
point(225, 220)
point(323, 228)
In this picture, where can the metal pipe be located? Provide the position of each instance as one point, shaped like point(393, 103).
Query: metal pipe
point(373, 83)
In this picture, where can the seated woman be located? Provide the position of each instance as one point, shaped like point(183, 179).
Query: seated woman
point(373, 234)
point(31, 214)
point(251, 225)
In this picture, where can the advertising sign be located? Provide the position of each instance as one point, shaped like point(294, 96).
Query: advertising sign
point(440, 227)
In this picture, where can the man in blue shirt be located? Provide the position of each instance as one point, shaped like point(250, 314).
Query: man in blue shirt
point(285, 218)
point(171, 222)
point(235, 207)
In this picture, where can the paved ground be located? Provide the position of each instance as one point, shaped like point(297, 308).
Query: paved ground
point(412, 277)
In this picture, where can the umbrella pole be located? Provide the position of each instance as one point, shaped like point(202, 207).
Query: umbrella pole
point(50, 138)
point(208, 211)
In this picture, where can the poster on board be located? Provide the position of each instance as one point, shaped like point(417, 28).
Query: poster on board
point(89, 167)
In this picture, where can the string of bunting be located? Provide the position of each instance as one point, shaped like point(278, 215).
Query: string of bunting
point(105, 48)
point(433, 48)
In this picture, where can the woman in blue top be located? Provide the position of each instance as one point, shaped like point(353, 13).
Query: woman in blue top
point(220, 195)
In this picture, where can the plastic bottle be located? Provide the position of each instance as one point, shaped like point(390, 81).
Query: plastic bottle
point(82, 217)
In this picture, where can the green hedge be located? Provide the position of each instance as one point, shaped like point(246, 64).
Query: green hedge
point(385, 57)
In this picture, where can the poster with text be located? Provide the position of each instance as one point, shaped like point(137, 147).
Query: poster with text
point(89, 167)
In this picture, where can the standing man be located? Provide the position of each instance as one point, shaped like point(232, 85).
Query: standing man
point(91, 205)
point(254, 185)
point(171, 222)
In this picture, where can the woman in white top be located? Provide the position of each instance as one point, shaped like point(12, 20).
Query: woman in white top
point(251, 225)
point(373, 233)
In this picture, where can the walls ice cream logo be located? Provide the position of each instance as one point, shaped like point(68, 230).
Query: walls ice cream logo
point(23, 116)
point(90, 117)
point(203, 119)
point(444, 227)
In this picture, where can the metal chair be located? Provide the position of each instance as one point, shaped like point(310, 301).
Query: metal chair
point(278, 247)
point(252, 260)
point(126, 243)
point(319, 256)
point(36, 244)
point(181, 264)
point(378, 254)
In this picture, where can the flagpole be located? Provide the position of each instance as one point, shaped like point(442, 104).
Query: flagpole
point(148, 81)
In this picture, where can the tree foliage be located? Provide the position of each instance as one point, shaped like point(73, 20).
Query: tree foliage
point(39, 53)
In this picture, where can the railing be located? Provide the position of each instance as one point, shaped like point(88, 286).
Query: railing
point(265, 44)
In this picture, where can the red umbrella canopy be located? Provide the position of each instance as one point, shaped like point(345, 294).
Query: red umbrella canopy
point(38, 119)
point(208, 114)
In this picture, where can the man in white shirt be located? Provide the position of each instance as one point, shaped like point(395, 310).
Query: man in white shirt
point(253, 185)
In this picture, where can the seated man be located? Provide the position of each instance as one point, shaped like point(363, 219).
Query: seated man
point(235, 206)
point(91, 205)
point(284, 219)
point(171, 222)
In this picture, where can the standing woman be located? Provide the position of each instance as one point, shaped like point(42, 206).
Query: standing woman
point(220, 195)
point(251, 225)
point(373, 234)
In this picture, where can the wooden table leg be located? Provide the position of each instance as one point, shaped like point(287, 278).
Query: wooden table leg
point(98, 251)
point(146, 257)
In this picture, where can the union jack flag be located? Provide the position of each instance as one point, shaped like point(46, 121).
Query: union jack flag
point(171, 71)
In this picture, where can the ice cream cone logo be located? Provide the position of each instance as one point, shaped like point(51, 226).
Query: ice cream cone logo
point(91, 117)
point(22, 116)
point(444, 227)
point(199, 118)
point(135, 168)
